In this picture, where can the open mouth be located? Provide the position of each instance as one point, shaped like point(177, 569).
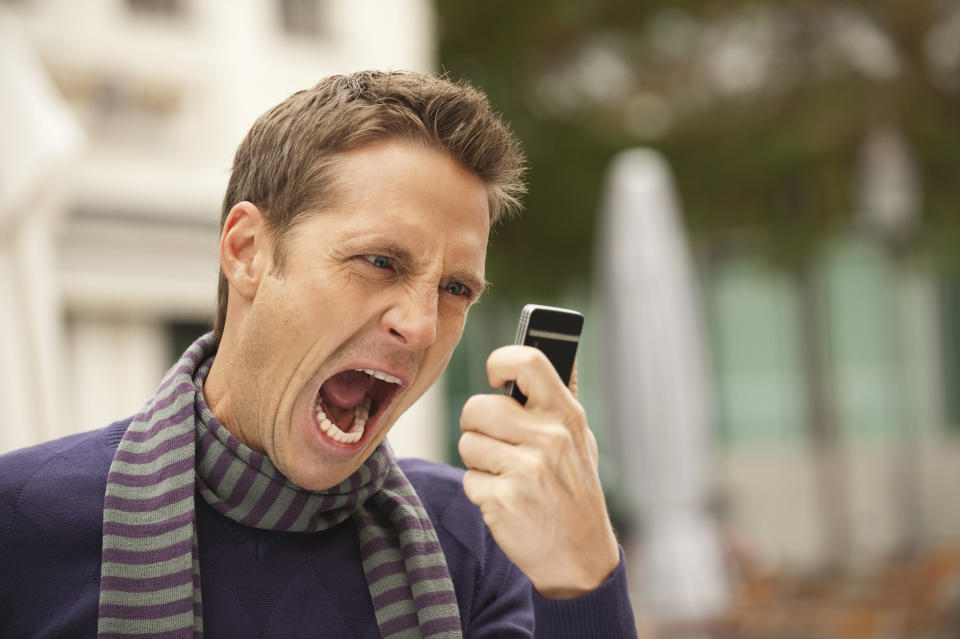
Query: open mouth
point(351, 400)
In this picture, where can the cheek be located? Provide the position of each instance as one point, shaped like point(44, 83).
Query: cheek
point(451, 330)
point(453, 319)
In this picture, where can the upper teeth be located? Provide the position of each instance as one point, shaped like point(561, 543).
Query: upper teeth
point(379, 375)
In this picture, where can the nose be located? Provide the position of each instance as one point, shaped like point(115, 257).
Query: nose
point(412, 320)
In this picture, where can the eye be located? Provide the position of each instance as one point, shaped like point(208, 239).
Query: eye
point(455, 288)
point(380, 261)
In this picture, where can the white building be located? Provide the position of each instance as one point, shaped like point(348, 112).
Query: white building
point(108, 244)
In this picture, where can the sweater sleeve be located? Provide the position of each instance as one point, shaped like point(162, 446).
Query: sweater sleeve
point(496, 599)
point(604, 613)
point(508, 606)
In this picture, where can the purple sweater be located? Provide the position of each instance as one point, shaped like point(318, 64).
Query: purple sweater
point(260, 583)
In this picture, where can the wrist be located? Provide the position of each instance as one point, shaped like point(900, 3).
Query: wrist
point(588, 578)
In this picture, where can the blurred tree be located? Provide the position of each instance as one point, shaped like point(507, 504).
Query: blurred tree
point(763, 108)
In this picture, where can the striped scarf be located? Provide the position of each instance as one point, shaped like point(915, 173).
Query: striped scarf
point(150, 574)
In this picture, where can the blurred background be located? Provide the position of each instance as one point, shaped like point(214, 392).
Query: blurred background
point(753, 203)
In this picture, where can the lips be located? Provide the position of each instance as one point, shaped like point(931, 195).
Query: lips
point(349, 404)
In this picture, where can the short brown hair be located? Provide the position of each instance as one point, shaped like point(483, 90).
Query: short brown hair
point(284, 163)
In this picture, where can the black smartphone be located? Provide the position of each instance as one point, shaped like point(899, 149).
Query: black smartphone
point(556, 332)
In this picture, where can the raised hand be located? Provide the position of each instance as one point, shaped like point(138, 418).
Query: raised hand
point(532, 470)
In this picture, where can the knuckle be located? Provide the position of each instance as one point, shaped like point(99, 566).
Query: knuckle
point(542, 469)
point(578, 414)
point(472, 410)
point(556, 439)
point(470, 486)
point(555, 443)
point(594, 448)
point(505, 495)
point(492, 513)
point(463, 447)
point(540, 464)
point(530, 356)
point(467, 483)
point(492, 360)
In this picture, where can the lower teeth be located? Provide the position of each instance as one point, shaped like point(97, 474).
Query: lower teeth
point(360, 415)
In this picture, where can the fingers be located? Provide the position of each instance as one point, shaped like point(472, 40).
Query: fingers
point(496, 416)
point(513, 446)
point(480, 488)
point(503, 418)
point(500, 501)
point(533, 373)
point(477, 485)
point(549, 403)
point(480, 452)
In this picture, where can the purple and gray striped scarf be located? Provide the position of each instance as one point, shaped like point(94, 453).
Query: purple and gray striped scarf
point(150, 575)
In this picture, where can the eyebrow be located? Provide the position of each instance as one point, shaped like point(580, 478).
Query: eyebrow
point(475, 283)
point(472, 279)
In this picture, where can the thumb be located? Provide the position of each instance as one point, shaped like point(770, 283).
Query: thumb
point(573, 379)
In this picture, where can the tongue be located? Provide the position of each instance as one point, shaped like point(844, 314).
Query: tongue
point(346, 389)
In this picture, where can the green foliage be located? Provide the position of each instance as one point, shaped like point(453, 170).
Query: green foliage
point(778, 158)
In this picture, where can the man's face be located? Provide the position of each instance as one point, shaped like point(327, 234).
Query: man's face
point(369, 306)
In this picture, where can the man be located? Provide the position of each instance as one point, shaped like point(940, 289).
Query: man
point(253, 495)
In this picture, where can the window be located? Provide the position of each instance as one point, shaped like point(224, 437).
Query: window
point(755, 338)
point(303, 18)
point(156, 8)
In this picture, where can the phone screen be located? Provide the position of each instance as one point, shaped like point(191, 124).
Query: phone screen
point(559, 348)
point(556, 332)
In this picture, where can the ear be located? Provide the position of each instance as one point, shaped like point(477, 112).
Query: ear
point(245, 248)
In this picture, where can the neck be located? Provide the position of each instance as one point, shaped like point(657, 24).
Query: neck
point(217, 393)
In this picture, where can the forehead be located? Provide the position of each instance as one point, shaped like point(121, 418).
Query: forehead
point(399, 189)
point(388, 159)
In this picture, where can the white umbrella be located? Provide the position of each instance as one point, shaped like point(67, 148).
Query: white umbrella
point(658, 389)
